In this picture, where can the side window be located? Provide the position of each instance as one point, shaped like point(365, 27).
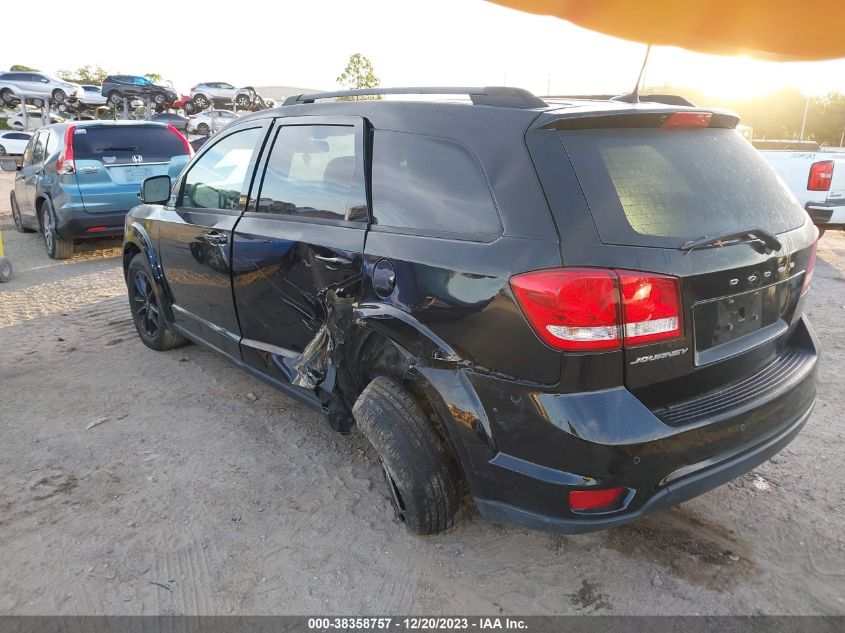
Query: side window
point(39, 152)
point(216, 180)
point(429, 184)
point(309, 172)
point(27, 153)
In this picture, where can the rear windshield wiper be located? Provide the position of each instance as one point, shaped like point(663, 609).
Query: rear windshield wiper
point(754, 237)
point(119, 148)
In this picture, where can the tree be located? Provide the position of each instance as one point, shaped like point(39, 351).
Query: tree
point(85, 75)
point(22, 68)
point(154, 77)
point(358, 74)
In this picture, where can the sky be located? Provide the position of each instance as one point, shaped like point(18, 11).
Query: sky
point(428, 42)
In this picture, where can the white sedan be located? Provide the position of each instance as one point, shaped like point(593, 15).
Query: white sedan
point(13, 143)
point(32, 121)
point(210, 121)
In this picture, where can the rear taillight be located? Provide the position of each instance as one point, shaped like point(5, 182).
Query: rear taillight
point(188, 149)
point(575, 309)
point(811, 266)
point(821, 175)
point(651, 306)
point(688, 119)
point(582, 309)
point(65, 164)
point(581, 500)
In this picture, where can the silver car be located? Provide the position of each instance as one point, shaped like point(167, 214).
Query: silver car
point(93, 98)
point(211, 93)
point(37, 84)
point(210, 121)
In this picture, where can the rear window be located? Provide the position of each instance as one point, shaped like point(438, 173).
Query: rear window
point(662, 187)
point(124, 144)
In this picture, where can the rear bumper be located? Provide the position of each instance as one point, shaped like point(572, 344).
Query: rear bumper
point(824, 213)
point(522, 451)
point(79, 224)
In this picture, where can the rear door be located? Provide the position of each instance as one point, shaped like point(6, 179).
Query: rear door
point(113, 160)
point(649, 190)
point(195, 235)
point(30, 174)
point(300, 242)
point(26, 207)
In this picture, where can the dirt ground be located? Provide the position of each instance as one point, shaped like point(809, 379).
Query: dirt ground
point(199, 490)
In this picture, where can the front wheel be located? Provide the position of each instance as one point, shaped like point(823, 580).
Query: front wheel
point(421, 476)
point(57, 247)
point(7, 96)
point(59, 95)
point(159, 98)
point(2, 151)
point(201, 102)
point(115, 98)
point(242, 101)
point(203, 129)
point(145, 304)
point(5, 269)
point(16, 214)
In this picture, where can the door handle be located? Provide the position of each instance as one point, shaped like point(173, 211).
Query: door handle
point(214, 237)
point(90, 170)
point(334, 261)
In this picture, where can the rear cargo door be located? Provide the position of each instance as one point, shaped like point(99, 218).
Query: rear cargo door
point(112, 161)
point(651, 191)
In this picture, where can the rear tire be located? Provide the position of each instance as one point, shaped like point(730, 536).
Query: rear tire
point(422, 477)
point(7, 96)
point(59, 95)
point(5, 269)
point(203, 129)
point(145, 305)
point(115, 98)
point(201, 102)
point(159, 98)
point(57, 247)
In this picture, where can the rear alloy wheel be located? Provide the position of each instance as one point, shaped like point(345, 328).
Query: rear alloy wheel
point(422, 478)
point(16, 214)
point(159, 98)
point(203, 129)
point(242, 101)
point(57, 247)
point(59, 95)
point(5, 269)
point(145, 304)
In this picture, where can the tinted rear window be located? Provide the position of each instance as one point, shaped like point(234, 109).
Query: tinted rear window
point(662, 187)
point(428, 184)
point(125, 144)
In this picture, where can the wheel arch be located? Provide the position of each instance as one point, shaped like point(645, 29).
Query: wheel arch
point(137, 240)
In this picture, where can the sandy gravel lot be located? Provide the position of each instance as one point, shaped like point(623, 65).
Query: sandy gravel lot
point(189, 497)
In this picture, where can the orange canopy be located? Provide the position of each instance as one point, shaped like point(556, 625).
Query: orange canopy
point(780, 30)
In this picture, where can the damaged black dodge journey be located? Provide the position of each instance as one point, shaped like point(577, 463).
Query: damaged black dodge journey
point(585, 309)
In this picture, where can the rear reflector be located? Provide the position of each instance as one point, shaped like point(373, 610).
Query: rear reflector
point(811, 266)
point(688, 119)
point(583, 309)
point(92, 229)
point(580, 500)
point(821, 175)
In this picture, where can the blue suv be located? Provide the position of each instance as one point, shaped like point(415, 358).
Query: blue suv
point(78, 180)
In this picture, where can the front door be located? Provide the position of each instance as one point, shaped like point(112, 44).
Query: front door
point(299, 244)
point(195, 236)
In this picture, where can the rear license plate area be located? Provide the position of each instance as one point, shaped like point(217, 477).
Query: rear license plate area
point(721, 321)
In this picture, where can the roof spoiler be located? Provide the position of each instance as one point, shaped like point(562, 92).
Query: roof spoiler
point(667, 99)
point(498, 96)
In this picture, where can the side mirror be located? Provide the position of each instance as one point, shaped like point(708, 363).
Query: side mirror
point(156, 190)
point(9, 165)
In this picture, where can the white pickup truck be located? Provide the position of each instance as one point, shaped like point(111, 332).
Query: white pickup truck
point(818, 181)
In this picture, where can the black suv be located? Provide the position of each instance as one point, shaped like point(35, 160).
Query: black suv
point(587, 310)
point(116, 88)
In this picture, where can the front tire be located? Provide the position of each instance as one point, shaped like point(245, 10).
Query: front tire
point(2, 151)
point(201, 102)
point(7, 96)
point(5, 269)
point(57, 247)
point(242, 101)
point(145, 304)
point(16, 215)
point(59, 95)
point(421, 476)
point(159, 98)
point(115, 98)
point(203, 129)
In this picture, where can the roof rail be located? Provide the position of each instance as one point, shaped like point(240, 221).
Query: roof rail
point(501, 96)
